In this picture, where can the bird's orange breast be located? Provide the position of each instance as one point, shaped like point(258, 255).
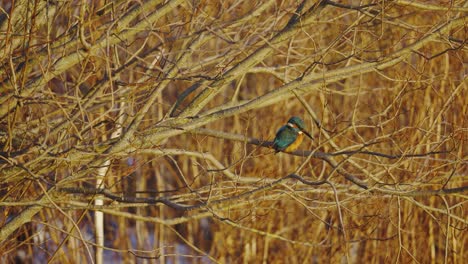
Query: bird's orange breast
point(296, 143)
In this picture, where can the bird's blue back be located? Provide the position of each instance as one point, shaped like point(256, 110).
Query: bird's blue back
point(285, 136)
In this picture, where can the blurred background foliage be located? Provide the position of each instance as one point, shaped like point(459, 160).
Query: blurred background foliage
point(179, 100)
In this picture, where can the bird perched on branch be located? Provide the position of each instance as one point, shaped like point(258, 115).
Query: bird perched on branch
point(290, 136)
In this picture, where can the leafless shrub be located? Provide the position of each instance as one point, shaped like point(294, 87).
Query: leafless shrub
point(160, 115)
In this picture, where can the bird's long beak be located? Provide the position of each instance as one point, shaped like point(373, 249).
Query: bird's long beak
point(307, 134)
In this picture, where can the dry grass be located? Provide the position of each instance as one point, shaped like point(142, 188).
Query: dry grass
point(385, 179)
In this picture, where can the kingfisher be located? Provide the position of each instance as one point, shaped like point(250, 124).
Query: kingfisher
point(290, 136)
